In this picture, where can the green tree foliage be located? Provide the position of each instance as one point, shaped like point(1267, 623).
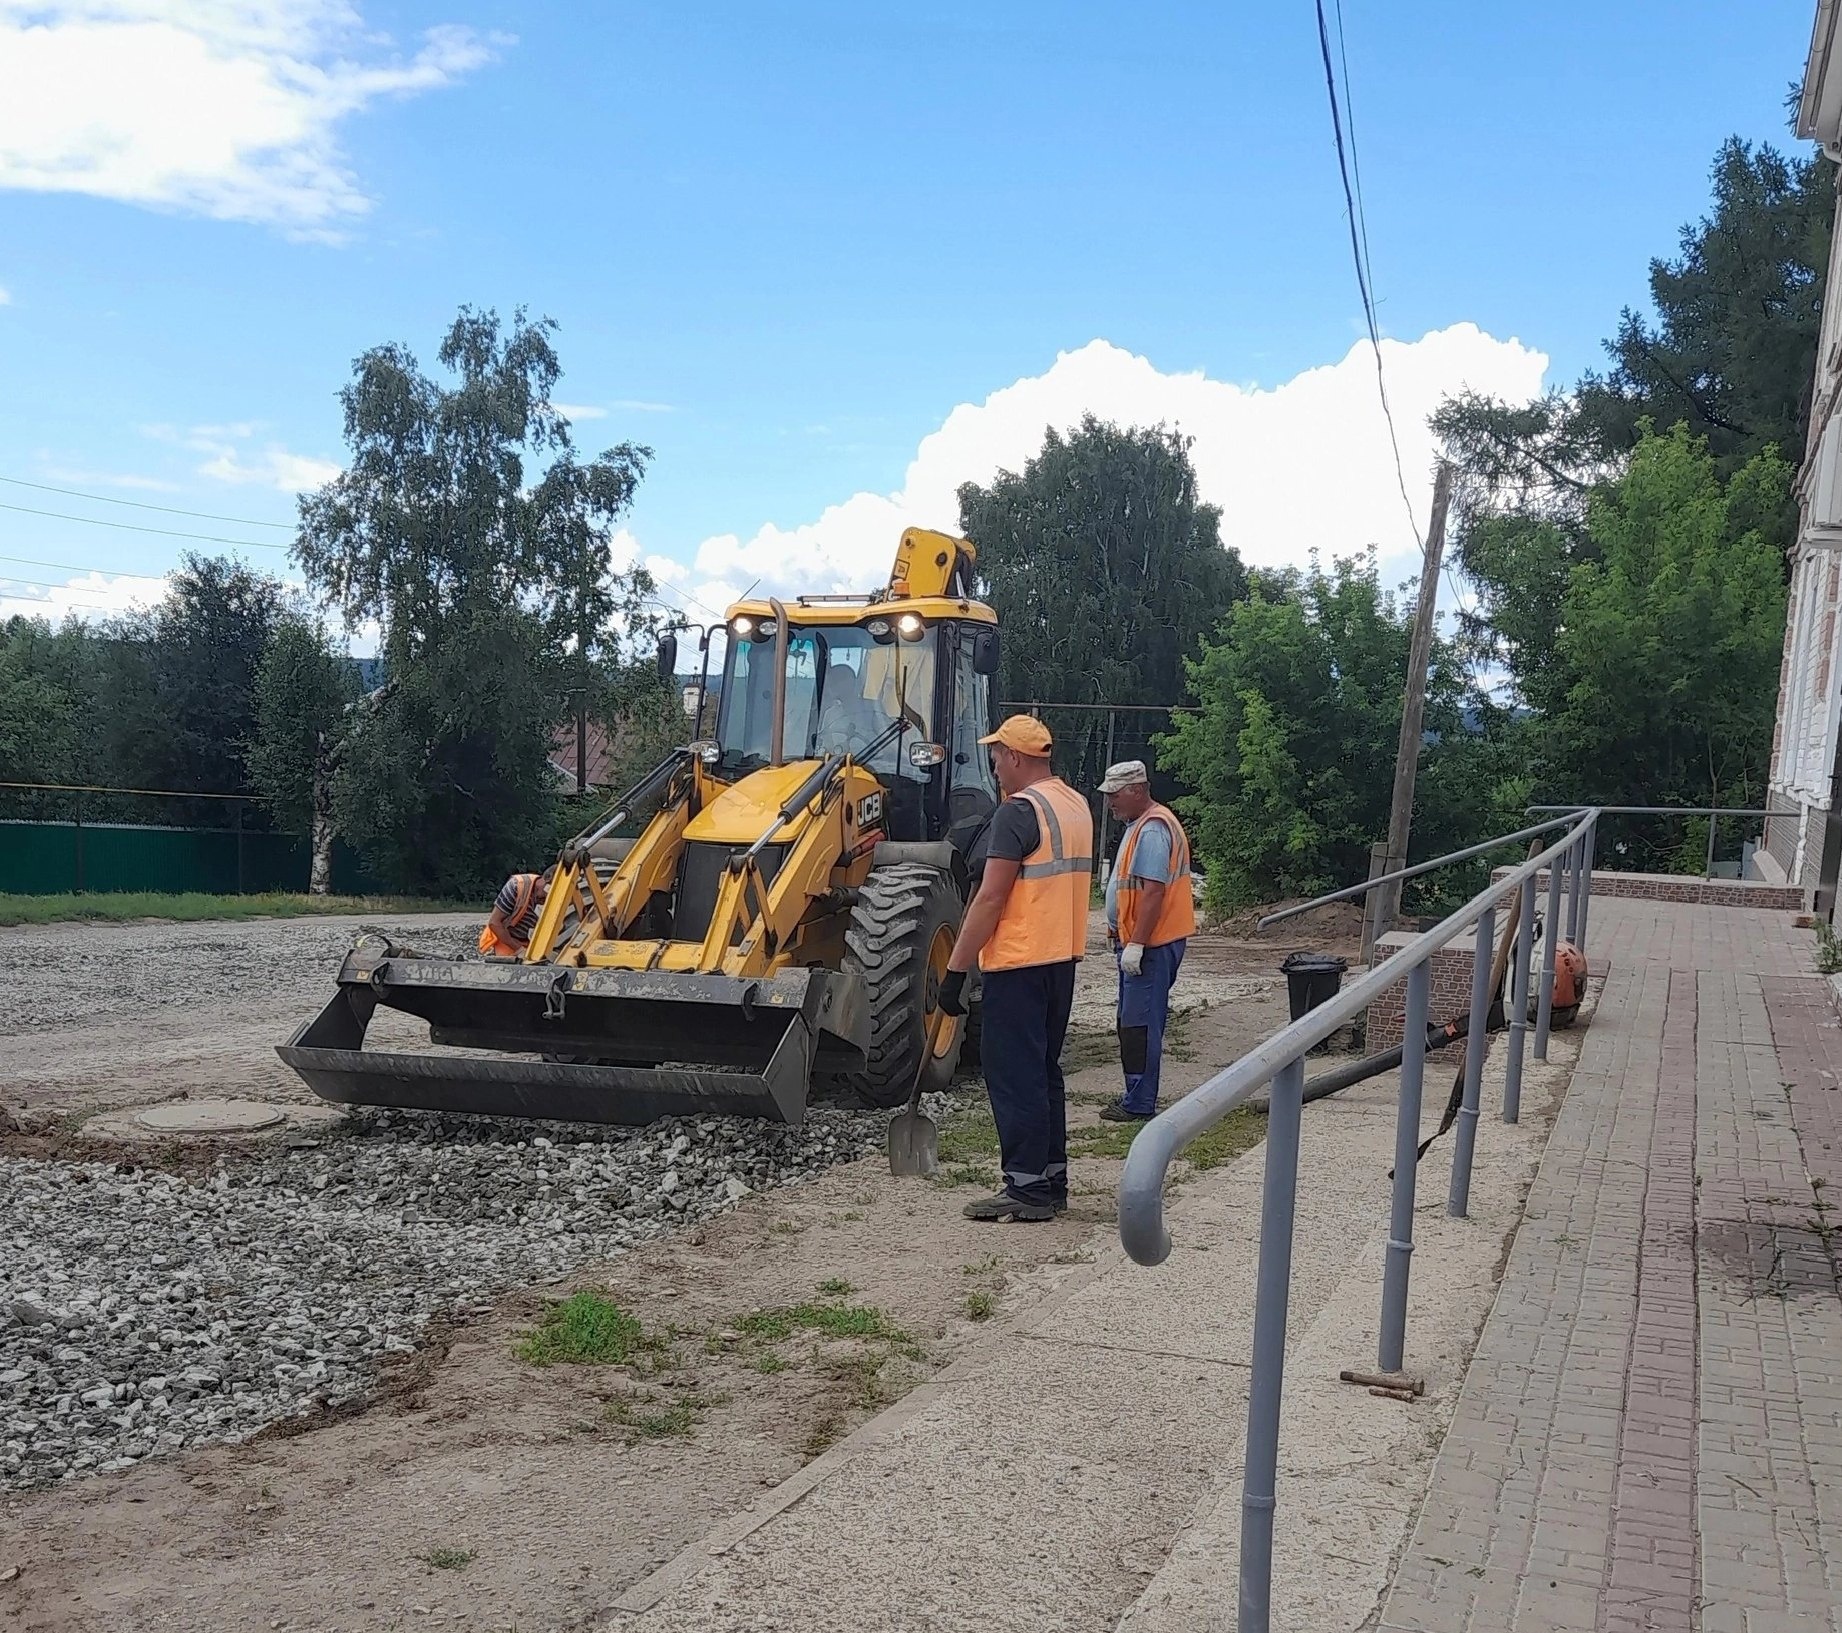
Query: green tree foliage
point(177, 684)
point(304, 692)
point(41, 705)
point(1731, 351)
point(1105, 567)
point(1291, 753)
point(466, 526)
point(1665, 666)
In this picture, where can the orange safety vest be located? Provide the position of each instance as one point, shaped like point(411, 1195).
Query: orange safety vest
point(1177, 914)
point(1044, 919)
point(493, 943)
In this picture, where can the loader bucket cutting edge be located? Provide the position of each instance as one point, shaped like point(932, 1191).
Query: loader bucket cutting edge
point(753, 1043)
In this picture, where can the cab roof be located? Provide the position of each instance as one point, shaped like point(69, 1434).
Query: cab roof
point(834, 610)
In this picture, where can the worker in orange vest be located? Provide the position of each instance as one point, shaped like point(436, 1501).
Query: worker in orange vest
point(1027, 928)
point(514, 914)
point(1151, 914)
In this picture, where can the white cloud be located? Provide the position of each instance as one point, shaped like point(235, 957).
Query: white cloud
point(89, 595)
point(77, 477)
point(6, 296)
point(220, 109)
point(271, 467)
point(1300, 466)
point(636, 405)
point(579, 411)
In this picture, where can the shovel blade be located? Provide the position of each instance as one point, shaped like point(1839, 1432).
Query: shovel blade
point(914, 1146)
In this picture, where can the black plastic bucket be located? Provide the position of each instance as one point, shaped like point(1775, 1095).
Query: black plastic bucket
point(1312, 979)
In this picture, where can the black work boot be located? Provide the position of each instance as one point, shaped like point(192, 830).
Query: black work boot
point(1007, 1209)
point(1114, 1111)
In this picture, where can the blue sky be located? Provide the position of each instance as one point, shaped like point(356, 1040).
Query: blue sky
point(785, 241)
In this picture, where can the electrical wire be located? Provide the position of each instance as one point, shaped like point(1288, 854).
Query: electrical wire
point(45, 584)
point(72, 567)
point(140, 504)
point(137, 527)
point(1351, 174)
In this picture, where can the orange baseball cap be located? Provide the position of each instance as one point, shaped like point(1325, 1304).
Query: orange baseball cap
point(1024, 733)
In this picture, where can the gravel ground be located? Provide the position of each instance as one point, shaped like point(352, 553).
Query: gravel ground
point(143, 1311)
point(152, 969)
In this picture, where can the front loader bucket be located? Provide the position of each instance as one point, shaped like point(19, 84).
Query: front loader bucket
point(610, 1046)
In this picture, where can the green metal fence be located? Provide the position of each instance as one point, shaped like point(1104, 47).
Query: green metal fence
point(53, 858)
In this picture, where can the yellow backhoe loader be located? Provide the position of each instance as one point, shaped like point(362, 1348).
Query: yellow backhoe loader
point(780, 924)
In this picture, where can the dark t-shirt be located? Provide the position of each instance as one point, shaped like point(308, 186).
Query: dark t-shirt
point(1015, 830)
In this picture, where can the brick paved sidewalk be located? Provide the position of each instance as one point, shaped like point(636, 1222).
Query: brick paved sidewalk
point(1650, 1434)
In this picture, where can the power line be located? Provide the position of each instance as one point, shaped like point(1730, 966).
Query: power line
point(139, 504)
point(1351, 174)
point(72, 567)
point(44, 584)
point(1358, 238)
point(137, 527)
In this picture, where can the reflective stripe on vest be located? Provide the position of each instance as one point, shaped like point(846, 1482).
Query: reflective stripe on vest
point(1044, 918)
point(1177, 915)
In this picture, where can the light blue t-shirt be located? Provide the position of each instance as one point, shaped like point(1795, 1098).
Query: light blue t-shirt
point(1150, 862)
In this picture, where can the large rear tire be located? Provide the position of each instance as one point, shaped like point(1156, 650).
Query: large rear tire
point(901, 931)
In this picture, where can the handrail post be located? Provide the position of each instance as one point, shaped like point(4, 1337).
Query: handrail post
point(1576, 889)
point(1519, 1004)
point(1550, 938)
point(1589, 852)
point(1477, 1040)
point(1713, 830)
point(1406, 1164)
point(1285, 1104)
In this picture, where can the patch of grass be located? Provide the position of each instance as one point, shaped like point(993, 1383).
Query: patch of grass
point(448, 1559)
point(676, 1419)
point(785, 1227)
point(192, 905)
point(967, 1134)
point(1235, 1135)
point(1102, 1139)
point(979, 1305)
point(769, 1361)
point(980, 1267)
point(1085, 1047)
point(836, 1287)
point(831, 1320)
point(966, 1173)
point(1828, 949)
point(585, 1327)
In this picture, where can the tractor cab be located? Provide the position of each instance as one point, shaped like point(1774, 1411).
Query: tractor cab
point(902, 683)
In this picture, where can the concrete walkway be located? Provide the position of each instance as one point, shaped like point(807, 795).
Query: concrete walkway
point(1082, 1469)
point(1650, 1436)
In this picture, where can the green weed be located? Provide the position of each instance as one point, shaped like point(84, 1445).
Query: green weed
point(192, 905)
point(448, 1559)
point(979, 1306)
point(587, 1328)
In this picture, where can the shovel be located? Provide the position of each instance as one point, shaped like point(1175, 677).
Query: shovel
point(914, 1140)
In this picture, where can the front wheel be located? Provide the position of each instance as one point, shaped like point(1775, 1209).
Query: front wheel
point(901, 933)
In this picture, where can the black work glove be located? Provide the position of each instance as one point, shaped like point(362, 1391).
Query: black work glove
point(953, 994)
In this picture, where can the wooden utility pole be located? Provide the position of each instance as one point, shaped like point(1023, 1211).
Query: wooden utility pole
point(1413, 701)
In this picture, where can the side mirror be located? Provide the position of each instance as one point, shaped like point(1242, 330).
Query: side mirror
point(985, 652)
point(668, 657)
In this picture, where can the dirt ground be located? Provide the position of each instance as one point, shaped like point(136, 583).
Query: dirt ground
point(476, 1489)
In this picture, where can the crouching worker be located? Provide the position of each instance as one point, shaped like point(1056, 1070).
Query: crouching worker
point(1151, 914)
point(1027, 928)
point(514, 914)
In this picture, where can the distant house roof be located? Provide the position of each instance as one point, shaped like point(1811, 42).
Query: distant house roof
point(599, 758)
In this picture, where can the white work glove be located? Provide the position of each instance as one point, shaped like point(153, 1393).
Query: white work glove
point(1132, 958)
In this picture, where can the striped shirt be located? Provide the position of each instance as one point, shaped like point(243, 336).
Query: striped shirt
point(509, 892)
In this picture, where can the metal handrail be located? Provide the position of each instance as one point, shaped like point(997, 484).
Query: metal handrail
point(1708, 811)
point(1418, 868)
point(1280, 1061)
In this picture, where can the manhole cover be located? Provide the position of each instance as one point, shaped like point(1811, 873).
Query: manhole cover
point(210, 1117)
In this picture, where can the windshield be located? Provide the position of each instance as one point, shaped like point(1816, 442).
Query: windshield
point(844, 688)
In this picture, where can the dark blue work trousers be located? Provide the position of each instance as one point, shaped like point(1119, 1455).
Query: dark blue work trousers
point(1144, 1008)
point(1023, 1026)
